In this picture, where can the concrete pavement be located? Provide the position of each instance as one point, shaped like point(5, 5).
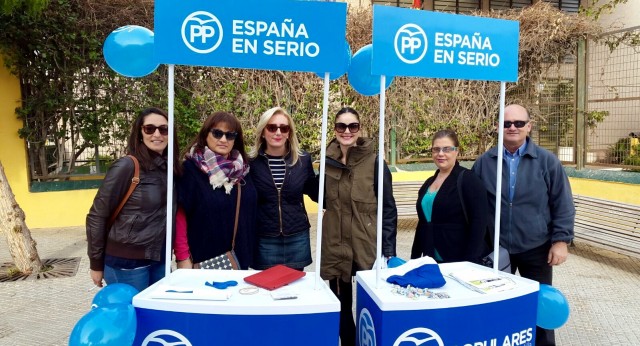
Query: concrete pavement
point(601, 286)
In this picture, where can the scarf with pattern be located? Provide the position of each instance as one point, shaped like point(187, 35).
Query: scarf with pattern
point(222, 171)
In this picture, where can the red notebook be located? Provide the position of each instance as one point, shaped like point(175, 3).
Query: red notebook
point(274, 277)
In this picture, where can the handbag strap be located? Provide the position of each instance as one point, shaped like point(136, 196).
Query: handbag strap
point(235, 225)
point(134, 183)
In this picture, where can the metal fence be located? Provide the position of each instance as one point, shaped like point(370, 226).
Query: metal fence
point(613, 99)
point(552, 106)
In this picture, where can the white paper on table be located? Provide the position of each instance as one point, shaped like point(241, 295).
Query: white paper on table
point(189, 293)
point(483, 281)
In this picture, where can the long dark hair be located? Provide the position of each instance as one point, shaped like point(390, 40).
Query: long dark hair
point(214, 119)
point(137, 148)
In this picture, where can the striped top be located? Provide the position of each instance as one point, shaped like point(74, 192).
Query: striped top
point(278, 169)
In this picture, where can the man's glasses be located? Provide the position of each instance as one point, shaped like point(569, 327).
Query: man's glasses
point(437, 150)
point(217, 134)
point(341, 127)
point(273, 128)
point(519, 123)
point(151, 129)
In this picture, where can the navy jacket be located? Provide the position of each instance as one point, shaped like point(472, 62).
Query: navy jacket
point(542, 209)
point(211, 216)
point(283, 213)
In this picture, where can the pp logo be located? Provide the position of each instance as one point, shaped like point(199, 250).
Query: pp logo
point(410, 43)
point(202, 32)
point(366, 330)
point(166, 337)
point(419, 337)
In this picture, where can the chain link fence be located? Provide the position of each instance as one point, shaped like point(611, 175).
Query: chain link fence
point(613, 99)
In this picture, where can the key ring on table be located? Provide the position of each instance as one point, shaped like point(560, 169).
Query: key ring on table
point(221, 285)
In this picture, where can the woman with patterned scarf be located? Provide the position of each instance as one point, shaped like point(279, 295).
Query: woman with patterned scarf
point(214, 170)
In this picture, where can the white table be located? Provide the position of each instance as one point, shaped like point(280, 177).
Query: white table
point(467, 318)
point(243, 319)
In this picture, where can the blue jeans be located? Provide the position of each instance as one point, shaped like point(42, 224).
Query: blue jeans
point(140, 278)
point(294, 251)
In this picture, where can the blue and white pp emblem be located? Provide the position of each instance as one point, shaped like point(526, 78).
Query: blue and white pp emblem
point(419, 337)
point(366, 330)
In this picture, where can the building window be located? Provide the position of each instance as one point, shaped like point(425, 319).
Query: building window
point(456, 6)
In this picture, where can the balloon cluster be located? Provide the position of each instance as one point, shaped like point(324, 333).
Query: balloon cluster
point(129, 50)
point(553, 308)
point(111, 321)
point(358, 69)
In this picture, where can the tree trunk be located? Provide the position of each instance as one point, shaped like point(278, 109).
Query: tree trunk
point(21, 246)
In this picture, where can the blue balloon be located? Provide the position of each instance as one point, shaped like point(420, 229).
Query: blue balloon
point(346, 61)
point(129, 51)
point(395, 262)
point(553, 308)
point(360, 76)
point(113, 324)
point(117, 293)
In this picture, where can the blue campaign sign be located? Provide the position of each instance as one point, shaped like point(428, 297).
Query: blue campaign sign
point(416, 43)
point(271, 35)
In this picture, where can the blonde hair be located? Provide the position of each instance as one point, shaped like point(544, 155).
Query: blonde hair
point(293, 145)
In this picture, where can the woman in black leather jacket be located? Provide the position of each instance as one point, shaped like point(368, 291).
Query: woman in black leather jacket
point(282, 174)
point(131, 248)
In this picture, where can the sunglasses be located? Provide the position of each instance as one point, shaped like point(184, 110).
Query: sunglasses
point(217, 134)
point(341, 127)
point(151, 129)
point(518, 123)
point(273, 128)
point(437, 150)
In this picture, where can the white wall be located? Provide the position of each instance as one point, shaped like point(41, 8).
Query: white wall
point(623, 16)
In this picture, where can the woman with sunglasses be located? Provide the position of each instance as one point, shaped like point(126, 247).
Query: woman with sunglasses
point(349, 227)
point(130, 247)
point(214, 180)
point(282, 173)
point(452, 208)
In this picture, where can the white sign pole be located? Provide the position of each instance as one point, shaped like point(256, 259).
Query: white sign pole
point(170, 86)
point(496, 240)
point(380, 181)
point(323, 153)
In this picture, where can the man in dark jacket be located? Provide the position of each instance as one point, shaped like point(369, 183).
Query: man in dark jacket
point(537, 211)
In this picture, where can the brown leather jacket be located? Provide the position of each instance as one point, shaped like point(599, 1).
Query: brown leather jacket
point(349, 222)
point(139, 231)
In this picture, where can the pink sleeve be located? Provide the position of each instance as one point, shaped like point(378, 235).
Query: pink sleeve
point(181, 246)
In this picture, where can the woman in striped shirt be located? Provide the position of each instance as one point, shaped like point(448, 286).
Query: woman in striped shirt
point(282, 173)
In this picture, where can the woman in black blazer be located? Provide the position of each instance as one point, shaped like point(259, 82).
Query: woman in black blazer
point(447, 230)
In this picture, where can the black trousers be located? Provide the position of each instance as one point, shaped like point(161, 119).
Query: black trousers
point(344, 292)
point(532, 264)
